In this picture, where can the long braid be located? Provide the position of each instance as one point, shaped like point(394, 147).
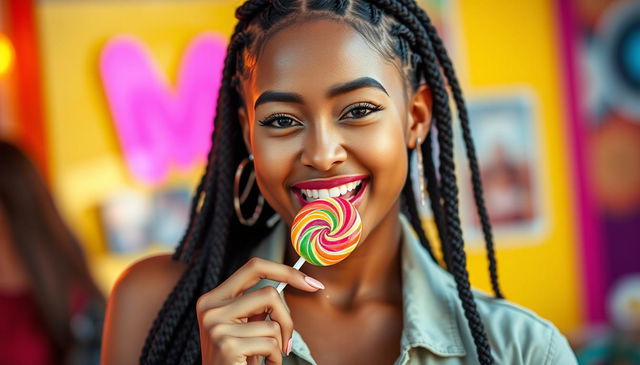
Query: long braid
point(183, 328)
point(160, 337)
point(433, 188)
point(187, 341)
point(449, 188)
point(476, 181)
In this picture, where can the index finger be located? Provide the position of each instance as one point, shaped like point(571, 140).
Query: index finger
point(257, 269)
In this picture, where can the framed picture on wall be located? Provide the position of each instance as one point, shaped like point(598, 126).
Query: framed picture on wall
point(504, 129)
point(133, 220)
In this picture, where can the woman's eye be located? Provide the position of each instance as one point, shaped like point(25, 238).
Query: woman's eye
point(360, 110)
point(280, 121)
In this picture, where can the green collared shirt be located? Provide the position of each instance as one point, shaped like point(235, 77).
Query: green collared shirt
point(435, 329)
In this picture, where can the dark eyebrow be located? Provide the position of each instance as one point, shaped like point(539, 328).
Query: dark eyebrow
point(355, 84)
point(269, 96)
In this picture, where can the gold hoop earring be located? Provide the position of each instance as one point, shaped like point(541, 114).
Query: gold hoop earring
point(239, 199)
point(421, 182)
point(201, 198)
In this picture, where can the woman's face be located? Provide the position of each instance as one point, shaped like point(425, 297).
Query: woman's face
point(327, 115)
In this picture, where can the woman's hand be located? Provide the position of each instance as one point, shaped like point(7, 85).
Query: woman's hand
point(232, 324)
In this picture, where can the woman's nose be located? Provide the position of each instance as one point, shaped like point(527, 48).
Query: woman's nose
point(323, 150)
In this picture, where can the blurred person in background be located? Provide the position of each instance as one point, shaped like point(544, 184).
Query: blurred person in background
point(50, 308)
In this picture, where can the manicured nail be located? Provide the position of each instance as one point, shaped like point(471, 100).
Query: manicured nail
point(313, 282)
point(289, 346)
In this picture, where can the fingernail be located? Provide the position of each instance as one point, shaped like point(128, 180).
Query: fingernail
point(289, 346)
point(313, 282)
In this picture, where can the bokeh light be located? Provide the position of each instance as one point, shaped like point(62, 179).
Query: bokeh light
point(6, 54)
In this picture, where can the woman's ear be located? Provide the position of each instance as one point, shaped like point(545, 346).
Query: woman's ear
point(419, 120)
point(246, 129)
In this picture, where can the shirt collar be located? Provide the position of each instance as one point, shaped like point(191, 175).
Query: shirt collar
point(429, 305)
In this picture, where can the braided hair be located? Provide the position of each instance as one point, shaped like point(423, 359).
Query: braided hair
point(216, 244)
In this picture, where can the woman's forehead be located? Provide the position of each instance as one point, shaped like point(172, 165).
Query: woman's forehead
point(316, 54)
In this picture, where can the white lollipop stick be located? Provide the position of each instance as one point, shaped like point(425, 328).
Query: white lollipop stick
point(296, 266)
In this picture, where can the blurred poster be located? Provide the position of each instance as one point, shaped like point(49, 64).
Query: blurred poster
point(124, 215)
point(170, 216)
point(508, 151)
point(133, 220)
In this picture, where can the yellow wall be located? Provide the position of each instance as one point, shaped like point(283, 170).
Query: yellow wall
point(506, 43)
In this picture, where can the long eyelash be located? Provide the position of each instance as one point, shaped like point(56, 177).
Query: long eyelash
point(271, 118)
point(366, 105)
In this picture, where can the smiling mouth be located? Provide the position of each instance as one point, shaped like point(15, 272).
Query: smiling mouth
point(345, 191)
point(351, 191)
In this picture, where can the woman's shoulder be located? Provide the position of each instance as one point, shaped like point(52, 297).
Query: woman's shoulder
point(147, 283)
point(518, 333)
point(134, 302)
point(157, 271)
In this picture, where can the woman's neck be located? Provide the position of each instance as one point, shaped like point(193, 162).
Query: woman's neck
point(372, 271)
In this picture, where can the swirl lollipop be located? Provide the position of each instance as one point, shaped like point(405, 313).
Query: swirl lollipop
point(325, 232)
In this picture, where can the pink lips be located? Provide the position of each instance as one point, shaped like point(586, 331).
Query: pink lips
point(327, 184)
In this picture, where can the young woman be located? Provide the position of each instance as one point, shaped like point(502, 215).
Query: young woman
point(51, 311)
point(326, 98)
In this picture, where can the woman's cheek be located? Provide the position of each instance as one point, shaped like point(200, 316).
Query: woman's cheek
point(383, 151)
point(273, 164)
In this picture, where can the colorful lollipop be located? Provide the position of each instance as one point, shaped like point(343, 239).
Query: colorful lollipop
point(325, 232)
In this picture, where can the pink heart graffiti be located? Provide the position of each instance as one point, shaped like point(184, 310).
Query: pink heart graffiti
point(160, 126)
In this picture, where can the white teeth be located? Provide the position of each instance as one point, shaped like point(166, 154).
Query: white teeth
point(333, 192)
